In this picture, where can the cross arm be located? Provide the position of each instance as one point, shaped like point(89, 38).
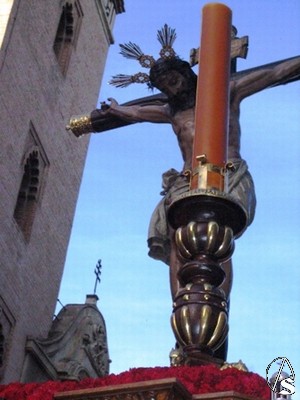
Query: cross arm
point(239, 48)
point(294, 78)
point(97, 122)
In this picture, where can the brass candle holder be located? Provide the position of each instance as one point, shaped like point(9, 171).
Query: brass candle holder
point(206, 221)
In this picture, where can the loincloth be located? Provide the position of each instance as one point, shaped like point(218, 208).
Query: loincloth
point(240, 187)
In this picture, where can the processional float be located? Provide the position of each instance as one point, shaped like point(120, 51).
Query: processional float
point(206, 219)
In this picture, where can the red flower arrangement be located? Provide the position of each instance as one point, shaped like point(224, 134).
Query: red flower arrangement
point(198, 379)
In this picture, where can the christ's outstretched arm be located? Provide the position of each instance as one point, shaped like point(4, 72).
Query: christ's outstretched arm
point(263, 78)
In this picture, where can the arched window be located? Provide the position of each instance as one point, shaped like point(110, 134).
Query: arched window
point(28, 194)
point(67, 33)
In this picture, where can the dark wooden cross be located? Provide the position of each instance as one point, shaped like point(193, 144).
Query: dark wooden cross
point(239, 48)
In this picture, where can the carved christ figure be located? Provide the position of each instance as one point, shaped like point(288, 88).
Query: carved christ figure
point(177, 81)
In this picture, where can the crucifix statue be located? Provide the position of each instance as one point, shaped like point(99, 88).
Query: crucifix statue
point(177, 82)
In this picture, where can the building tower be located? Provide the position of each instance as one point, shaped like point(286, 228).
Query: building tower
point(52, 56)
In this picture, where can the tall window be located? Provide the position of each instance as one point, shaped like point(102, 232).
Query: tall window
point(28, 194)
point(5, 9)
point(33, 175)
point(67, 33)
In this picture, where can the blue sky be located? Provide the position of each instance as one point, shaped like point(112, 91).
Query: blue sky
point(122, 182)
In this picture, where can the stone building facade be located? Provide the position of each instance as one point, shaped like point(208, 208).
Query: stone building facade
point(52, 56)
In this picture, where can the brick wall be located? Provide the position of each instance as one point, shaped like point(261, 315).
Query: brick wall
point(35, 96)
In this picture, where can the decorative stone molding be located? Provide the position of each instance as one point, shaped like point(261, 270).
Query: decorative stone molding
point(107, 10)
point(76, 346)
point(7, 322)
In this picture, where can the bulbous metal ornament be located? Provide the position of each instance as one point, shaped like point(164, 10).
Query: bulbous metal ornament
point(200, 318)
point(204, 237)
point(205, 223)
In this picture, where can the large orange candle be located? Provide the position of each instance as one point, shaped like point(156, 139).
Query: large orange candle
point(212, 99)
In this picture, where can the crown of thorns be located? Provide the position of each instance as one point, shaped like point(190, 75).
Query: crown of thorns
point(166, 37)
